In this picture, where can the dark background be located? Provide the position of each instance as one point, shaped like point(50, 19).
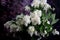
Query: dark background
point(4, 16)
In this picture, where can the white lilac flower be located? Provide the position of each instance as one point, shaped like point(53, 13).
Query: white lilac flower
point(43, 1)
point(7, 24)
point(39, 38)
point(36, 33)
point(42, 5)
point(27, 8)
point(55, 32)
point(47, 6)
point(35, 17)
point(36, 20)
point(26, 20)
point(31, 30)
point(19, 16)
point(19, 22)
point(14, 27)
point(35, 3)
point(53, 9)
point(48, 22)
point(45, 32)
point(38, 13)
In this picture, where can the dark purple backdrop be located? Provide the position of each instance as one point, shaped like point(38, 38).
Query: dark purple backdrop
point(5, 16)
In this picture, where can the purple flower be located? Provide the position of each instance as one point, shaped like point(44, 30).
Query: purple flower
point(16, 7)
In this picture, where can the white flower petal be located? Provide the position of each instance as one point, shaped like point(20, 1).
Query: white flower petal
point(35, 32)
point(43, 1)
point(47, 6)
point(35, 3)
point(31, 30)
point(36, 20)
point(26, 20)
point(39, 38)
point(35, 17)
point(27, 8)
point(20, 22)
point(55, 32)
point(48, 22)
point(19, 16)
point(14, 27)
point(38, 13)
point(45, 32)
point(7, 24)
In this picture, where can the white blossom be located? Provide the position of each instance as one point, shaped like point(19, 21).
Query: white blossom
point(42, 5)
point(39, 38)
point(37, 33)
point(27, 8)
point(55, 32)
point(35, 17)
point(45, 32)
point(7, 24)
point(35, 3)
point(19, 22)
point(53, 9)
point(14, 27)
point(26, 20)
point(43, 1)
point(48, 22)
point(31, 30)
point(19, 16)
point(38, 13)
point(47, 6)
point(36, 20)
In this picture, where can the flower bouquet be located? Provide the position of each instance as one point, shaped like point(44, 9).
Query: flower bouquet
point(38, 19)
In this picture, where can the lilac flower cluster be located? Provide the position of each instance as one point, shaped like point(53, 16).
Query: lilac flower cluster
point(33, 17)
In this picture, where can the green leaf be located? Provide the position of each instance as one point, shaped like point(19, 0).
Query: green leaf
point(41, 28)
point(54, 21)
point(48, 27)
point(53, 16)
point(48, 16)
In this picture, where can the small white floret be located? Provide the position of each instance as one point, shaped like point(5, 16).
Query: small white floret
point(35, 3)
point(55, 32)
point(48, 22)
point(26, 20)
point(27, 8)
point(31, 30)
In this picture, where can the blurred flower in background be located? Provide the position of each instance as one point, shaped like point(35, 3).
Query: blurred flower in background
point(16, 7)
